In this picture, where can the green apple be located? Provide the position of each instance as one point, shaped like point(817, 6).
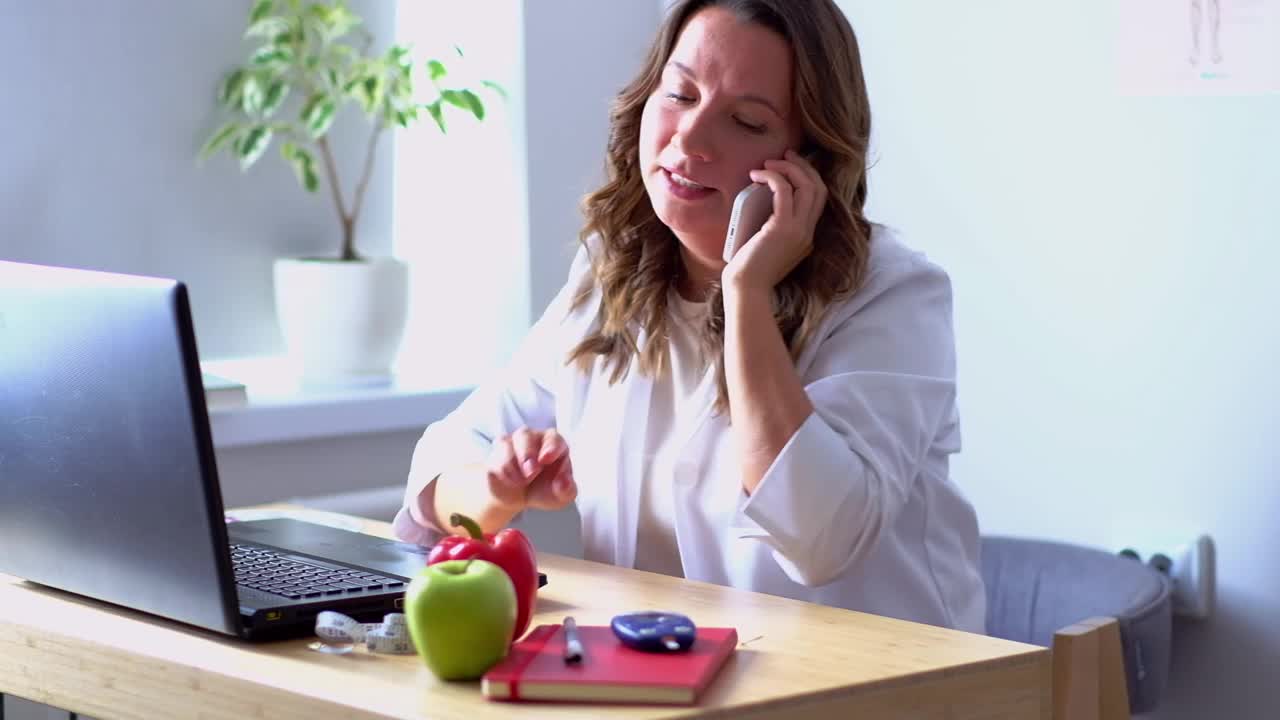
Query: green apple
point(461, 614)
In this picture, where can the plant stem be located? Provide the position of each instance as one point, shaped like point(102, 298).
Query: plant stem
point(348, 222)
point(366, 172)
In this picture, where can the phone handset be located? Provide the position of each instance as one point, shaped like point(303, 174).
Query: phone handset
point(751, 209)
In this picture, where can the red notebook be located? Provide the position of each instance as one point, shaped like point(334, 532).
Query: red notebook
point(610, 671)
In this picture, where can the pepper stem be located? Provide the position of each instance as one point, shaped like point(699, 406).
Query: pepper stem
point(460, 520)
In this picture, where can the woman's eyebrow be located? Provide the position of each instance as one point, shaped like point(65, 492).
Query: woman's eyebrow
point(687, 72)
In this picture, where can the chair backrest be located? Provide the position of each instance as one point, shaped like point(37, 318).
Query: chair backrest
point(1036, 588)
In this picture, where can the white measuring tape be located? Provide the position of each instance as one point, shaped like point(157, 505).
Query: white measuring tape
point(340, 634)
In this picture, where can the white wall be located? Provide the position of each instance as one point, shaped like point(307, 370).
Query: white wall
point(578, 54)
point(460, 206)
point(1113, 260)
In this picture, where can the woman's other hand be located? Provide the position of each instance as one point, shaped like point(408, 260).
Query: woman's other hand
point(799, 195)
point(531, 469)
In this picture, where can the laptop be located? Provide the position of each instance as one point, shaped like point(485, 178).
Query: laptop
point(108, 483)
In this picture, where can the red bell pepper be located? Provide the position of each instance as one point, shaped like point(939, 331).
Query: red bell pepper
point(509, 549)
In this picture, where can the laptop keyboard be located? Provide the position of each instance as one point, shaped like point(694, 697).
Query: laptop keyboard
point(265, 570)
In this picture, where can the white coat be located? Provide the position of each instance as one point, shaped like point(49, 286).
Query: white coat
point(857, 511)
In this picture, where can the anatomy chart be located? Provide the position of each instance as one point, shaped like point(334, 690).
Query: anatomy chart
point(1198, 47)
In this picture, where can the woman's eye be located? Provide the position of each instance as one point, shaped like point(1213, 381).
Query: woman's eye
point(677, 97)
point(750, 126)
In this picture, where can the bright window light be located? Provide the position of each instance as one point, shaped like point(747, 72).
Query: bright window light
point(459, 198)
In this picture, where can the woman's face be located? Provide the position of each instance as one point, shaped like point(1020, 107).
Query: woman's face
point(722, 108)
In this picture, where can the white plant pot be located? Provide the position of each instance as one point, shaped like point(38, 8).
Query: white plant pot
point(342, 321)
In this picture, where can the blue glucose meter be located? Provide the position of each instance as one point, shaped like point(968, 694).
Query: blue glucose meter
point(654, 631)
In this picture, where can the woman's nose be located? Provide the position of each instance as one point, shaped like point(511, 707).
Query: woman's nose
point(693, 136)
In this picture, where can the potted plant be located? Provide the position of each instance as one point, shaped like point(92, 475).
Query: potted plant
point(342, 316)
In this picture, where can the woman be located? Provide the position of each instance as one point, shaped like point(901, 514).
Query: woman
point(780, 422)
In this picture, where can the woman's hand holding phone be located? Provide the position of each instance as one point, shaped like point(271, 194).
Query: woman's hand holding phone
point(799, 194)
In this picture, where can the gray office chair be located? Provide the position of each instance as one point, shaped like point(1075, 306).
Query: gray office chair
point(1050, 594)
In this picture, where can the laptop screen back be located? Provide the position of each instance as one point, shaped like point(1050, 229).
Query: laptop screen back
point(107, 480)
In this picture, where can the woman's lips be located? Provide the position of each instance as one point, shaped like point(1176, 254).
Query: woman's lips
point(686, 189)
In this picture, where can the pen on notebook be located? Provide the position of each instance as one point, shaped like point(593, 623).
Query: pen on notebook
point(572, 643)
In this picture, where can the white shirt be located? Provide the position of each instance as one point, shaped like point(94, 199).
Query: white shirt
point(682, 397)
point(858, 509)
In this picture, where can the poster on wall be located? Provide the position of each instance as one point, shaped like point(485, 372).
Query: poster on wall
point(1198, 47)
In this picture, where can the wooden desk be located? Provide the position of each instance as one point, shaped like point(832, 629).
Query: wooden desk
point(795, 660)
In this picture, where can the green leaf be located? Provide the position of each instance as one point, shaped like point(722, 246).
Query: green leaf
point(400, 93)
point(322, 119)
point(436, 114)
point(340, 22)
point(251, 95)
point(230, 90)
point(253, 144)
point(453, 98)
point(219, 138)
point(269, 27)
point(318, 113)
point(276, 93)
point(310, 180)
point(464, 99)
point(260, 10)
point(405, 117)
point(319, 12)
point(271, 55)
point(476, 107)
point(398, 55)
point(372, 90)
point(333, 21)
point(435, 69)
point(502, 93)
point(303, 164)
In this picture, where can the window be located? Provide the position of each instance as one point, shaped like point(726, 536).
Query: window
point(459, 198)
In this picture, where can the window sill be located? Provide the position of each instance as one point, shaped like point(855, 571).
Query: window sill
point(281, 409)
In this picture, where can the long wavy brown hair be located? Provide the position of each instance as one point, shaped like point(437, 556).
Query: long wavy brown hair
point(637, 259)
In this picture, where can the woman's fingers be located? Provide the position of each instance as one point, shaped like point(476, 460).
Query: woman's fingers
point(555, 487)
point(563, 486)
point(803, 163)
point(526, 444)
point(808, 190)
point(503, 461)
point(532, 467)
point(506, 482)
point(782, 190)
point(553, 447)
